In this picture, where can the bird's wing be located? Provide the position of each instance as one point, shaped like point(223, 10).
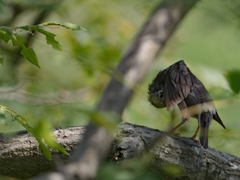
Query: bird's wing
point(177, 85)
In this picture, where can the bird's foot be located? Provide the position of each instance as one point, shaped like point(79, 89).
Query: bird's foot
point(192, 138)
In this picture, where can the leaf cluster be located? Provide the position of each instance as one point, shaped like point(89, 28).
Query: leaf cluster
point(8, 33)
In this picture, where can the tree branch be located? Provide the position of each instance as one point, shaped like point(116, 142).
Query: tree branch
point(20, 157)
point(17, 93)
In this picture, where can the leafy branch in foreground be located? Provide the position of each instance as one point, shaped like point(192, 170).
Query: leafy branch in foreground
point(8, 33)
point(41, 134)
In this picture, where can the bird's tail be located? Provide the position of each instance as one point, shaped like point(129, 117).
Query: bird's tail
point(204, 123)
point(217, 118)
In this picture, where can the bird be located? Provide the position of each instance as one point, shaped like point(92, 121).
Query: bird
point(177, 85)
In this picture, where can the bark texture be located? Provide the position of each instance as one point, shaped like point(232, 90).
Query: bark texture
point(196, 162)
point(21, 158)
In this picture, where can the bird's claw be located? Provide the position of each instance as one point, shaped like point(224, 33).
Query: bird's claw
point(192, 138)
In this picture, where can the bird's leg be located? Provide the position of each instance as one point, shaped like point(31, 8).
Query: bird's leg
point(185, 116)
point(173, 129)
point(184, 110)
point(194, 136)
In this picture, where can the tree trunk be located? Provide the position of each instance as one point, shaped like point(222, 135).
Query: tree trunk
point(21, 158)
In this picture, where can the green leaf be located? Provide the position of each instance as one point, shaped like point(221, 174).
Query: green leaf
point(2, 113)
point(45, 150)
point(63, 24)
point(1, 57)
point(30, 55)
point(26, 28)
point(53, 144)
point(5, 35)
point(50, 38)
point(18, 41)
point(42, 145)
point(233, 78)
point(43, 131)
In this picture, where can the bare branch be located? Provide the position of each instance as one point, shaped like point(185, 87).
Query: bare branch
point(18, 94)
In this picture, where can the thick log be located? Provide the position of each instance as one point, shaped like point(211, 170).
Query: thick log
point(21, 158)
point(196, 162)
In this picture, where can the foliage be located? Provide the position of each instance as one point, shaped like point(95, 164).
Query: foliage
point(41, 134)
point(8, 33)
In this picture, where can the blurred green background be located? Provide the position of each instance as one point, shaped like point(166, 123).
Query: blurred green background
point(208, 39)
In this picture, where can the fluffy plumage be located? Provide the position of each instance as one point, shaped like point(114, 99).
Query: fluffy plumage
point(177, 85)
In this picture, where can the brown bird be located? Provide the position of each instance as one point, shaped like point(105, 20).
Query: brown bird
point(177, 85)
